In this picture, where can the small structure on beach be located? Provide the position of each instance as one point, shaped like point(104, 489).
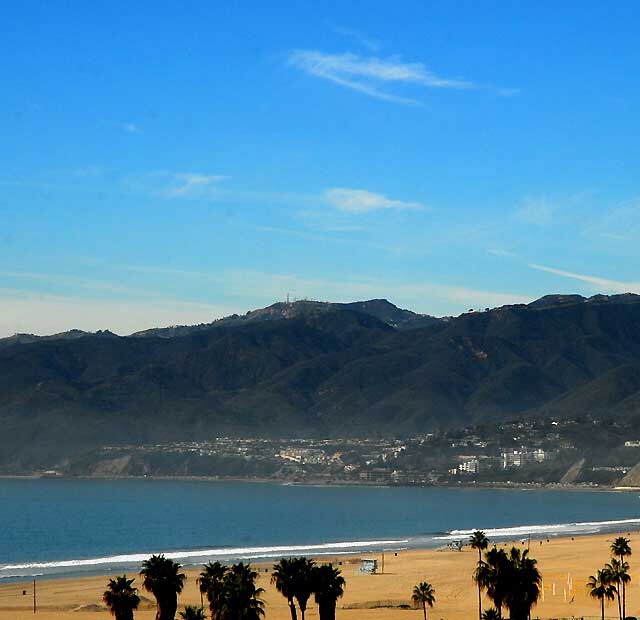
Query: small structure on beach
point(455, 545)
point(368, 566)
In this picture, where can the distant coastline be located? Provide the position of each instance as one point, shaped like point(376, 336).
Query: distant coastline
point(516, 486)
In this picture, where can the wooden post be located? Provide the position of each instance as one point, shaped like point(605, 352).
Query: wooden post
point(34, 596)
point(383, 562)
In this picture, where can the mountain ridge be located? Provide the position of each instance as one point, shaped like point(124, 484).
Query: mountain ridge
point(325, 370)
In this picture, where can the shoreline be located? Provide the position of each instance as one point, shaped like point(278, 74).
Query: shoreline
point(516, 486)
point(564, 561)
point(118, 562)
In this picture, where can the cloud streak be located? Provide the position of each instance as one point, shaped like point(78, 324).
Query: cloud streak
point(370, 74)
point(359, 201)
point(372, 45)
point(600, 284)
point(193, 184)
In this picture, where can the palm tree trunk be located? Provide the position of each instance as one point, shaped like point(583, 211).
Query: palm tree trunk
point(624, 592)
point(619, 605)
point(479, 589)
point(292, 607)
point(327, 609)
point(424, 610)
point(602, 604)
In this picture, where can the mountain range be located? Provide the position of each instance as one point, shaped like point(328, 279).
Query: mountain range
point(317, 368)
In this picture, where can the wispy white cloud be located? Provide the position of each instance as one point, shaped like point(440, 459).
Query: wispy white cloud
point(171, 184)
point(369, 74)
point(193, 184)
point(496, 251)
point(604, 285)
point(621, 223)
point(373, 45)
point(537, 211)
point(362, 201)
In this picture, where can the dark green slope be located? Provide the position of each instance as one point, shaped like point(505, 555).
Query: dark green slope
point(332, 371)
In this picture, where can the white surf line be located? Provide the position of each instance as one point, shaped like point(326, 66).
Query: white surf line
point(552, 528)
point(224, 552)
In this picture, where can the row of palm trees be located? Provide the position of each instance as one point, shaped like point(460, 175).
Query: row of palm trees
point(511, 580)
point(298, 578)
point(610, 582)
point(231, 591)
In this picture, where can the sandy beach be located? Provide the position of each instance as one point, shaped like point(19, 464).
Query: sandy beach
point(565, 564)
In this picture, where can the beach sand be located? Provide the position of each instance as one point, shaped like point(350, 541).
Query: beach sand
point(565, 565)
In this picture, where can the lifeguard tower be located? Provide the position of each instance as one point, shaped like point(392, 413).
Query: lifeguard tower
point(368, 566)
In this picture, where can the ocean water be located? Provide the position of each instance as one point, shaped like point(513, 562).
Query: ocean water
point(65, 527)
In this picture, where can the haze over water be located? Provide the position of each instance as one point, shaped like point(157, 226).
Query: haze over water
point(83, 526)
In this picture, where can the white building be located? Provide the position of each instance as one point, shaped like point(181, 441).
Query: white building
point(469, 465)
point(514, 458)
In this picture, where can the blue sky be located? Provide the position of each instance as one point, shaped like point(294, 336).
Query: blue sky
point(167, 163)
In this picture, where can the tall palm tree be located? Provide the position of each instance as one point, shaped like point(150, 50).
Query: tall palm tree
point(304, 583)
point(479, 541)
point(328, 587)
point(284, 576)
point(424, 594)
point(293, 578)
point(490, 576)
point(241, 599)
point(523, 581)
point(191, 612)
point(162, 577)
point(601, 589)
point(121, 597)
point(212, 585)
point(621, 548)
point(618, 575)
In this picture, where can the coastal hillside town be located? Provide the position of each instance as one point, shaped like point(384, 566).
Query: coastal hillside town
point(547, 452)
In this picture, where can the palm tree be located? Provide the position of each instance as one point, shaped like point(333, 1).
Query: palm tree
point(293, 578)
point(489, 575)
point(620, 547)
point(211, 584)
point(600, 588)
point(328, 587)
point(121, 597)
point(162, 578)
point(304, 585)
point(618, 575)
point(479, 541)
point(490, 614)
point(241, 598)
point(424, 594)
point(523, 580)
point(191, 612)
point(284, 577)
